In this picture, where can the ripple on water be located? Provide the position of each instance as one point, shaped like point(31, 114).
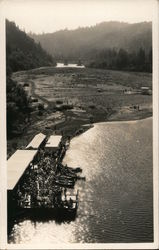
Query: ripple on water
point(116, 199)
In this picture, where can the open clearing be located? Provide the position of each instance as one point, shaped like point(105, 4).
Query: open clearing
point(73, 97)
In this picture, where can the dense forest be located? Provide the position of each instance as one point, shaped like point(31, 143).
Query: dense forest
point(106, 45)
point(122, 60)
point(18, 108)
point(22, 53)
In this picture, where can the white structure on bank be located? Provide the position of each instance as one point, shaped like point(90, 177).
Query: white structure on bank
point(16, 166)
point(53, 143)
point(36, 141)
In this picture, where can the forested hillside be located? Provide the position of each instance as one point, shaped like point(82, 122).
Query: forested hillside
point(22, 53)
point(139, 60)
point(102, 44)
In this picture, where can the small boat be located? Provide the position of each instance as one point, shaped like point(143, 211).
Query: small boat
point(68, 184)
point(81, 178)
point(67, 177)
point(76, 170)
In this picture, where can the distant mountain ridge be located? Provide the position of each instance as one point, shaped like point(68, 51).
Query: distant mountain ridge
point(82, 42)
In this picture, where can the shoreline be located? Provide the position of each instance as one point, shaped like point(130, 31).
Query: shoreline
point(126, 121)
point(89, 126)
point(82, 128)
point(63, 128)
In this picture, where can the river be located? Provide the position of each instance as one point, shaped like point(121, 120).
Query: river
point(69, 65)
point(115, 201)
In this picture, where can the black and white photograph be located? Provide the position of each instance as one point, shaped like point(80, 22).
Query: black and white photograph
point(80, 159)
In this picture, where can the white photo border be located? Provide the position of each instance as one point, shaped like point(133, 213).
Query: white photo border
point(3, 150)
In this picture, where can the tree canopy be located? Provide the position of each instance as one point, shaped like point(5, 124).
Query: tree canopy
point(22, 53)
point(123, 60)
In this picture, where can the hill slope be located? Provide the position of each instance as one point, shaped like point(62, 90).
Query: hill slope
point(22, 52)
point(83, 42)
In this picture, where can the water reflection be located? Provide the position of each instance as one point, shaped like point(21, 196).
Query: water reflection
point(22, 225)
point(115, 201)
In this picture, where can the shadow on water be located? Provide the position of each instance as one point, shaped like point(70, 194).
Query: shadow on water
point(42, 216)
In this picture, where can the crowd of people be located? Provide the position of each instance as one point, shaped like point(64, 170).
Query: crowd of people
point(39, 187)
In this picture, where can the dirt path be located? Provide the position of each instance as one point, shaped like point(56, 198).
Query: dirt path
point(33, 89)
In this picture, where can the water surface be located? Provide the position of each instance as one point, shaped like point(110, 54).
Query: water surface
point(69, 65)
point(116, 198)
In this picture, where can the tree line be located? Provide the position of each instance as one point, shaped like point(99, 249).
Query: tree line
point(18, 108)
point(22, 53)
point(122, 60)
point(78, 43)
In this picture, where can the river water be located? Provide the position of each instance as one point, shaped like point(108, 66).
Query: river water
point(116, 198)
point(69, 65)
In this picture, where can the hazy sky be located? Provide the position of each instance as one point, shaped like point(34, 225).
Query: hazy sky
point(51, 15)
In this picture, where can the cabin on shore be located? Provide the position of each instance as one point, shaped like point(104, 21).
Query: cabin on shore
point(53, 143)
point(37, 141)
